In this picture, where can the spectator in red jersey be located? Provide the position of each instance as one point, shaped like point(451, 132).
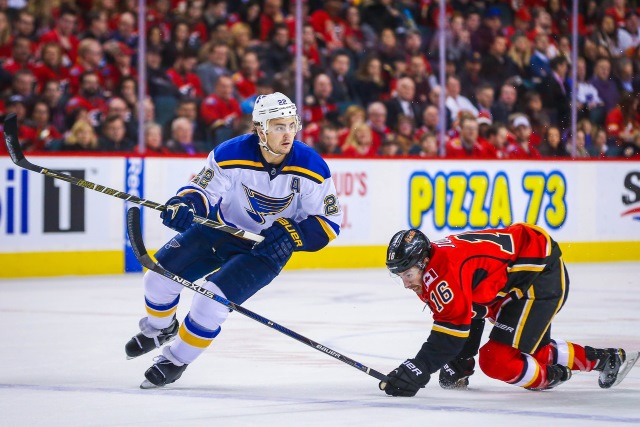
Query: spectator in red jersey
point(113, 137)
point(63, 35)
point(51, 67)
point(194, 16)
point(45, 135)
point(623, 121)
point(497, 136)
point(246, 79)
point(468, 144)
point(320, 104)
point(521, 24)
point(310, 46)
point(330, 28)
point(359, 142)
point(270, 16)
point(182, 76)
point(356, 38)
point(21, 57)
point(121, 67)
point(89, 98)
point(221, 112)
point(521, 147)
point(90, 57)
point(617, 11)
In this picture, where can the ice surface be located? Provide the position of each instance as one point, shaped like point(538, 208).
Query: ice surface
point(62, 360)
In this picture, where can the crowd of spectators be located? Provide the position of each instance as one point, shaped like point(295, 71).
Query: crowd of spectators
point(69, 71)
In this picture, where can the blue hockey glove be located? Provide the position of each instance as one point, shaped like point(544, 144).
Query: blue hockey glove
point(406, 379)
point(280, 240)
point(179, 213)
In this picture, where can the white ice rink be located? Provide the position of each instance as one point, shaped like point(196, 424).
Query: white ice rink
point(62, 360)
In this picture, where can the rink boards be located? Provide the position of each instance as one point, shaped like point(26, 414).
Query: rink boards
point(49, 227)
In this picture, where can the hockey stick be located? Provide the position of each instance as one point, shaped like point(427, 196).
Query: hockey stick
point(17, 156)
point(137, 244)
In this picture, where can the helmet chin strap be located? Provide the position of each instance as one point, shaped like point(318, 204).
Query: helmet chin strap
point(264, 144)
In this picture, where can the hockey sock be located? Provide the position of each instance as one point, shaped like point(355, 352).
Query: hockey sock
point(566, 354)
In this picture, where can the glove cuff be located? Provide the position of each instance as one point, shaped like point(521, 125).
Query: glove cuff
point(196, 200)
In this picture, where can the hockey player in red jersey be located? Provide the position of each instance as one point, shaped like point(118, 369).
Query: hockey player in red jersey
point(516, 278)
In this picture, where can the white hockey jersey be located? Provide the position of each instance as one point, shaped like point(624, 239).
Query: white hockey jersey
point(244, 191)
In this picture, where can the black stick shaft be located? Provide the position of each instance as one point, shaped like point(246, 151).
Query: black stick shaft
point(17, 156)
point(137, 244)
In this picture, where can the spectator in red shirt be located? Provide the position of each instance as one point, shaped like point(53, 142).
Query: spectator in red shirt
point(623, 121)
point(468, 144)
point(90, 56)
point(182, 76)
point(221, 112)
point(45, 135)
point(63, 35)
point(270, 16)
point(330, 28)
point(376, 119)
point(521, 147)
point(51, 68)
point(359, 142)
point(21, 58)
point(246, 79)
point(198, 30)
point(316, 110)
point(89, 98)
point(120, 68)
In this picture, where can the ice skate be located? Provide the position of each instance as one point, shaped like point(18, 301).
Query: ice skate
point(613, 364)
point(557, 374)
point(150, 338)
point(164, 371)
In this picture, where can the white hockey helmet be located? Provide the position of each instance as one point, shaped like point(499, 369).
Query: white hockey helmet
point(274, 106)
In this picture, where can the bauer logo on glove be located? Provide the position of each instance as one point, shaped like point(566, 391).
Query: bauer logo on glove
point(291, 230)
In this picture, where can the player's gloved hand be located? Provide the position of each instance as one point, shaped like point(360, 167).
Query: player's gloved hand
point(280, 240)
point(406, 379)
point(456, 373)
point(179, 213)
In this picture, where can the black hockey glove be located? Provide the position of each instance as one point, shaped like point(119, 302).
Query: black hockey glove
point(179, 213)
point(406, 379)
point(456, 373)
point(280, 240)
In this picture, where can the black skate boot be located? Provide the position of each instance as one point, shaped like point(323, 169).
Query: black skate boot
point(163, 372)
point(556, 375)
point(141, 343)
point(609, 362)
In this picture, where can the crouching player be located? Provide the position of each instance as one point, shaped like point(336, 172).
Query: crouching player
point(515, 277)
point(264, 182)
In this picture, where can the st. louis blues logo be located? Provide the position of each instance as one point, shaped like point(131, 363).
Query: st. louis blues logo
point(261, 205)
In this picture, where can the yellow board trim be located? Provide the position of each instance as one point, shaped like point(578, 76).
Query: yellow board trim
point(45, 264)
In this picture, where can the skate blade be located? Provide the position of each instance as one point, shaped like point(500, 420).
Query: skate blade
point(631, 359)
point(146, 385)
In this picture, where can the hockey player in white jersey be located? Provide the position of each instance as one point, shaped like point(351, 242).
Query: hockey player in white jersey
point(265, 182)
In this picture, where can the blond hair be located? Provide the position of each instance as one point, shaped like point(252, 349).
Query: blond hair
point(80, 125)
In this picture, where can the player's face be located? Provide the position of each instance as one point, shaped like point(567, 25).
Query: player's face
point(281, 134)
point(412, 279)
